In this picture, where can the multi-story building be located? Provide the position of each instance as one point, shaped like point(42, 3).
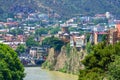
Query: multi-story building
point(112, 36)
point(77, 41)
point(118, 31)
point(98, 37)
point(64, 34)
point(33, 52)
point(37, 52)
point(80, 41)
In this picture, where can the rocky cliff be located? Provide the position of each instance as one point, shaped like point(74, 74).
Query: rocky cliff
point(64, 60)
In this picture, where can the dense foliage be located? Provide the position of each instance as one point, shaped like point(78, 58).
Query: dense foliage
point(30, 42)
point(16, 32)
point(53, 42)
point(10, 66)
point(54, 30)
point(9, 7)
point(97, 61)
point(114, 69)
point(20, 49)
point(68, 8)
point(65, 8)
point(41, 31)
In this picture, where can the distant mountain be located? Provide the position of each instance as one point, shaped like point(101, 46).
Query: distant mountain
point(65, 8)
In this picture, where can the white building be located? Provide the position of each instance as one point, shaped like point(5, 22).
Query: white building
point(77, 41)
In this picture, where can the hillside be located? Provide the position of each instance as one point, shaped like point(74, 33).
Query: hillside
point(65, 8)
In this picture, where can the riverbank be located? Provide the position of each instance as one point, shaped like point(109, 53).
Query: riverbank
point(36, 73)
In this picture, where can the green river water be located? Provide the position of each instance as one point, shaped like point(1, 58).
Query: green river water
point(36, 73)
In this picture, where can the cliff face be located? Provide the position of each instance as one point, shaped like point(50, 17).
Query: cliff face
point(64, 61)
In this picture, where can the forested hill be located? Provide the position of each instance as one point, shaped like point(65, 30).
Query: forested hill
point(65, 8)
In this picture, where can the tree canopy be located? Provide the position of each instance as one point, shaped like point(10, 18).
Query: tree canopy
point(10, 66)
point(114, 69)
point(16, 32)
point(53, 42)
point(41, 31)
point(54, 30)
point(20, 49)
point(100, 62)
point(31, 42)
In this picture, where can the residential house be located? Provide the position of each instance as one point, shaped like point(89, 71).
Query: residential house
point(20, 38)
point(33, 52)
point(97, 16)
point(10, 20)
point(85, 19)
point(11, 24)
point(77, 41)
point(37, 52)
point(80, 41)
point(2, 28)
point(41, 52)
point(117, 21)
point(13, 44)
point(32, 29)
point(8, 37)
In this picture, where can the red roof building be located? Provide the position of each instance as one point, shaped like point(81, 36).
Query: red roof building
point(118, 30)
point(11, 24)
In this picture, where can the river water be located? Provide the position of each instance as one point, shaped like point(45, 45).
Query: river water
point(36, 73)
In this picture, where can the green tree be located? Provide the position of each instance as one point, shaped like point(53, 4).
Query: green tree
point(88, 47)
point(31, 42)
point(114, 69)
point(97, 62)
point(13, 32)
point(100, 56)
point(20, 49)
point(54, 30)
point(10, 66)
point(72, 29)
point(16, 32)
point(41, 31)
point(53, 42)
point(88, 37)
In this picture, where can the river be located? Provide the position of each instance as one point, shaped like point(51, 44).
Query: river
point(36, 73)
